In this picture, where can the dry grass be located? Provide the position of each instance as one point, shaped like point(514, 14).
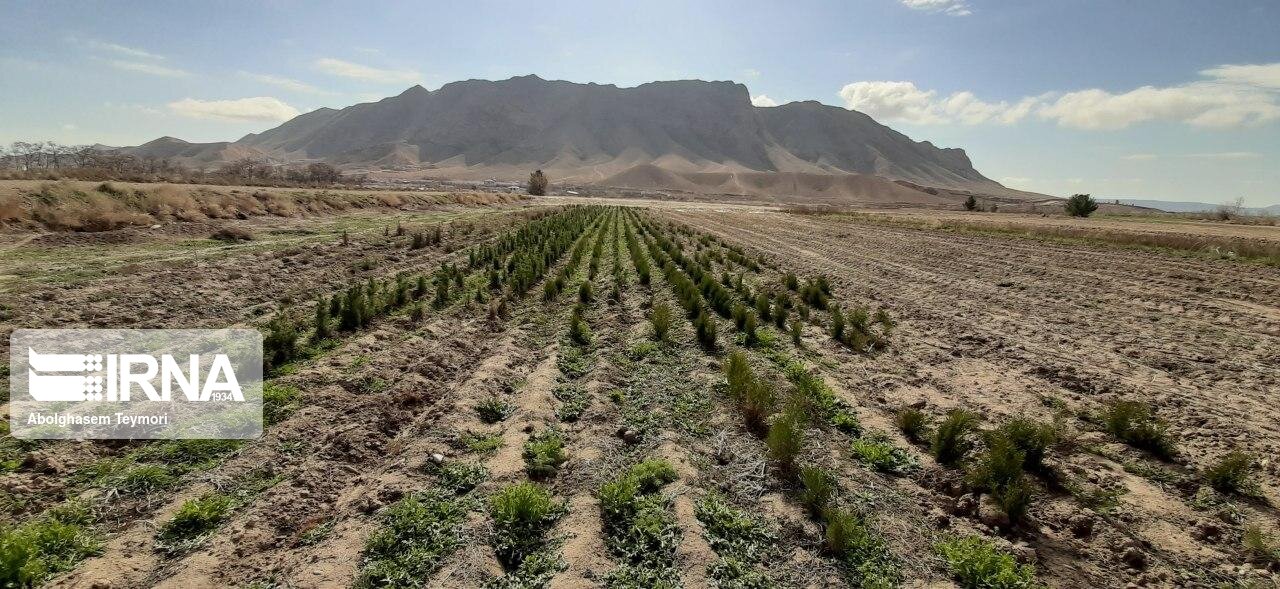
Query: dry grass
point(1208, 244)
point(85, 206)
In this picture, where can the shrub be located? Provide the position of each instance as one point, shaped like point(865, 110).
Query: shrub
point(322, 328)
point(419, 241)
point(704, 328)
point(579, 333)
point(538, 183)
point(913, 423)
point(1014, 499)
point(977, 564)
point(522, 514)
point(818, 488)
point(1259, 546)
point(1232, 473)
point(737, 374)
point(739, 316)
point(1080, 205)
point(842, 528)
point(850, 539)
point(970, 203)
point(791, 282)
point(999, 466)
point(796, 332)
point(749, 330)
point(780, 314)
point(1134, 423)
point(952, 440)
point(754, 396)
point(493, 410)
point(1029, 437)
point(762, 306)
point(355, 310)
point(837, 324)
point(550, 290)
point(544, 453)
point(442, 292)
point(416, 535)
point(280, 344)
point(885, 320)
point(586, 293)
point(999, 472)
point(661, 319)
point(786, 440)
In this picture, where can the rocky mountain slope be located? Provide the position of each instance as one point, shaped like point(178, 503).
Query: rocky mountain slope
point(592, 133)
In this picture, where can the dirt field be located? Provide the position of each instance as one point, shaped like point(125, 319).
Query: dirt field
point(395, 447)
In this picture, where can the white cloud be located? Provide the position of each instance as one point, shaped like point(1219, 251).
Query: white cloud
point(121, 49)
point(751, 73)
point(1202, 104)
point(1235, 96)
point(1218, 155)
point(951, 7)
point(347, 69)
point(1226, 155)
point(286, 83)
point(69, 127)
point(260, 108)
point(903, 101)
point(147, 68)
point(1014, 181)
point(139, 108)
point(1265, 75)
point(895, 101)
point(763, 100)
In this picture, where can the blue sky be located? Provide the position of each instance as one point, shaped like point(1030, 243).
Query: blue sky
point(1175, 100)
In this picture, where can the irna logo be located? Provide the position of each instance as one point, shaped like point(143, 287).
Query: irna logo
point(117, 377)
point(133, 384)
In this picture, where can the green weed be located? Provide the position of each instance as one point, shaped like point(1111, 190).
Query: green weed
point(417, 533)
point(977, 564)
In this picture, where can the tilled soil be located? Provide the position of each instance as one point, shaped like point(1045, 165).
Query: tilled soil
point(998, 325)
point(1007, 326)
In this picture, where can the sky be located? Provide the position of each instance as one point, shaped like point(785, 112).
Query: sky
point(1169, 99)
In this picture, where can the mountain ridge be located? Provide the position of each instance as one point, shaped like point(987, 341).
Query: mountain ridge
point(592, 132)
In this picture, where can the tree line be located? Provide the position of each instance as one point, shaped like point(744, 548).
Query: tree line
point(51, 160)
